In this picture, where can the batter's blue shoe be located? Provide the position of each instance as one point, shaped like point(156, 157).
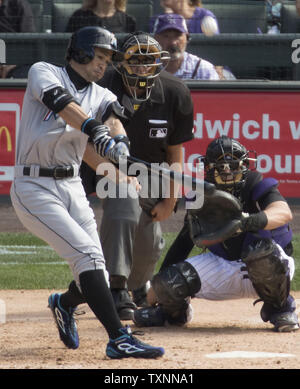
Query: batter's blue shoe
point(127, 346)
point(64, 321)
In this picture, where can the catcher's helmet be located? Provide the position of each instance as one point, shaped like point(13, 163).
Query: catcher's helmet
point(226, 163)
point(143, 60)
point(83, 41)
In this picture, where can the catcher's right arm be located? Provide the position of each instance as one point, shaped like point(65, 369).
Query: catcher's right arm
point(218, 219)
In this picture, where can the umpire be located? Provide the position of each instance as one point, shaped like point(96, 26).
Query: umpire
point(159, 119)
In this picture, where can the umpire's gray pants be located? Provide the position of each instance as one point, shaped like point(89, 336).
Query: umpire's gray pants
point(131, 241)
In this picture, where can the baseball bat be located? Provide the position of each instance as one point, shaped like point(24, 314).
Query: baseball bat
point(191, 182)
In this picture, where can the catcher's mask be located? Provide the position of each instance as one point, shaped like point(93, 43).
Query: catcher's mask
point(226, 164)
point(83, 41)
point(143, 60)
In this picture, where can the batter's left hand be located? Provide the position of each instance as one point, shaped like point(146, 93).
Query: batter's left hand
point(162, 210)
point(116, 151)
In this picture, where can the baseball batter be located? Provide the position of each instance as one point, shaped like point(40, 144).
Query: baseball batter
point(58, 118)
point(255, 263)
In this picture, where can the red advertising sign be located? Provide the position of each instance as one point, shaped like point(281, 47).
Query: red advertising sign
point(10, 113)
point(267, 122)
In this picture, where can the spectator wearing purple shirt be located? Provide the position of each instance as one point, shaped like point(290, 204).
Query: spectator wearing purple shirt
point(199, 20)
point(170, 30)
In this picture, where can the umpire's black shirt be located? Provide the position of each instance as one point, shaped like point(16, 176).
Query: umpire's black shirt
point(166, 118)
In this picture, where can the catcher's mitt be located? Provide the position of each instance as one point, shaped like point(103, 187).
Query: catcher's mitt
point(218, 219)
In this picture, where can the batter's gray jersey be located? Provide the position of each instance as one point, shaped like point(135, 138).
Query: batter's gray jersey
point(44, 138)
point(57, 211)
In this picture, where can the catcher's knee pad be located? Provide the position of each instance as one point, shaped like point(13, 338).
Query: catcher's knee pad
point(268, 274)
point(174, 284)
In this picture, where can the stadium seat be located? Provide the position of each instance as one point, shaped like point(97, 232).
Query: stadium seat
point(142, 11)
point(59, 12)
point(157, 8)
point(23, 49)
point(290, 20)
point(37, 10)
point(248, 56)
point(235, 16)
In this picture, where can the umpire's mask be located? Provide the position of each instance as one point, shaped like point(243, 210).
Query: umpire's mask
point(143, 60)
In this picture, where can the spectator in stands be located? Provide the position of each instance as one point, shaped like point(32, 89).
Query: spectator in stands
point(298, 6)
point(198, 19)
point(274, 16)
point(166, 9)
point(171, 32)
point(14, 71)
point(16, 16)
point(109, 14)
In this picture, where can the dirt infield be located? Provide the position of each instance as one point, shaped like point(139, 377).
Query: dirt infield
point(29, 339)
point(222, 335)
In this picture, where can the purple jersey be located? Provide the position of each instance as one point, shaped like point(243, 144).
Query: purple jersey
point(194, 23)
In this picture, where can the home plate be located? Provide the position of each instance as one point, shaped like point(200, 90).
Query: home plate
point(248, 354)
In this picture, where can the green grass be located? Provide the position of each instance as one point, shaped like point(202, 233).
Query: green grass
point(26, 262)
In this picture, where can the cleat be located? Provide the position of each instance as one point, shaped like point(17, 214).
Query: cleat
point(127, 346)
point(140, 296)
point(285, 322)
point(64, 321)
point(124, 305)
point(149, 317)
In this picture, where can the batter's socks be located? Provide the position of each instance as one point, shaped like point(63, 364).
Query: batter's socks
point(98, 297)
point(72, 297)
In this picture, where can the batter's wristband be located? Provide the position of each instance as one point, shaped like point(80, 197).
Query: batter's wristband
point(88, 126)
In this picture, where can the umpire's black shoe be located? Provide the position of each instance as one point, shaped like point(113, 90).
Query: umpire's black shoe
point(124, 304)
point(140, 296)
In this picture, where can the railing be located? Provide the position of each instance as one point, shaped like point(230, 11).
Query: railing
point(249, 56)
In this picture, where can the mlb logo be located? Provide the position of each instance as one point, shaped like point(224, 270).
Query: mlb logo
point(158, 132)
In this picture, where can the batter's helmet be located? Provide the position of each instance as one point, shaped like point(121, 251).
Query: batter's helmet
point(141, 51)
point(226, 164)
point(83, 41)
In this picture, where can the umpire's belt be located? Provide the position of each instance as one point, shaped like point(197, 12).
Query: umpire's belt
point(58, 172)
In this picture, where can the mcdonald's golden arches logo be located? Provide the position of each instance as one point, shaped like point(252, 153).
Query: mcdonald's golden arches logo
point(8, 137)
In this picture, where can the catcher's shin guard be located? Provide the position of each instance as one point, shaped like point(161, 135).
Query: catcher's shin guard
point(268, 274)
point(173, 287)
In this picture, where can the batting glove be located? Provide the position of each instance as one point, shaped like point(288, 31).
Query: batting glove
point(98, 134)
point(117, 147)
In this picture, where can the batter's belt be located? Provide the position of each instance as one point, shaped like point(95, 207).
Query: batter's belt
point(58, 172)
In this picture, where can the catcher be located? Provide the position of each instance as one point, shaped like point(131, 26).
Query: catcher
point(243, 229)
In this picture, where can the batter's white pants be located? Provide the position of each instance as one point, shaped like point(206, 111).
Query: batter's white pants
point(224, 280)
point(58, 212)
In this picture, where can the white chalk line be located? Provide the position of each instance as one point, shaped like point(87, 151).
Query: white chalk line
point(248, 354)
point(5, 250)
point(31, 263)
